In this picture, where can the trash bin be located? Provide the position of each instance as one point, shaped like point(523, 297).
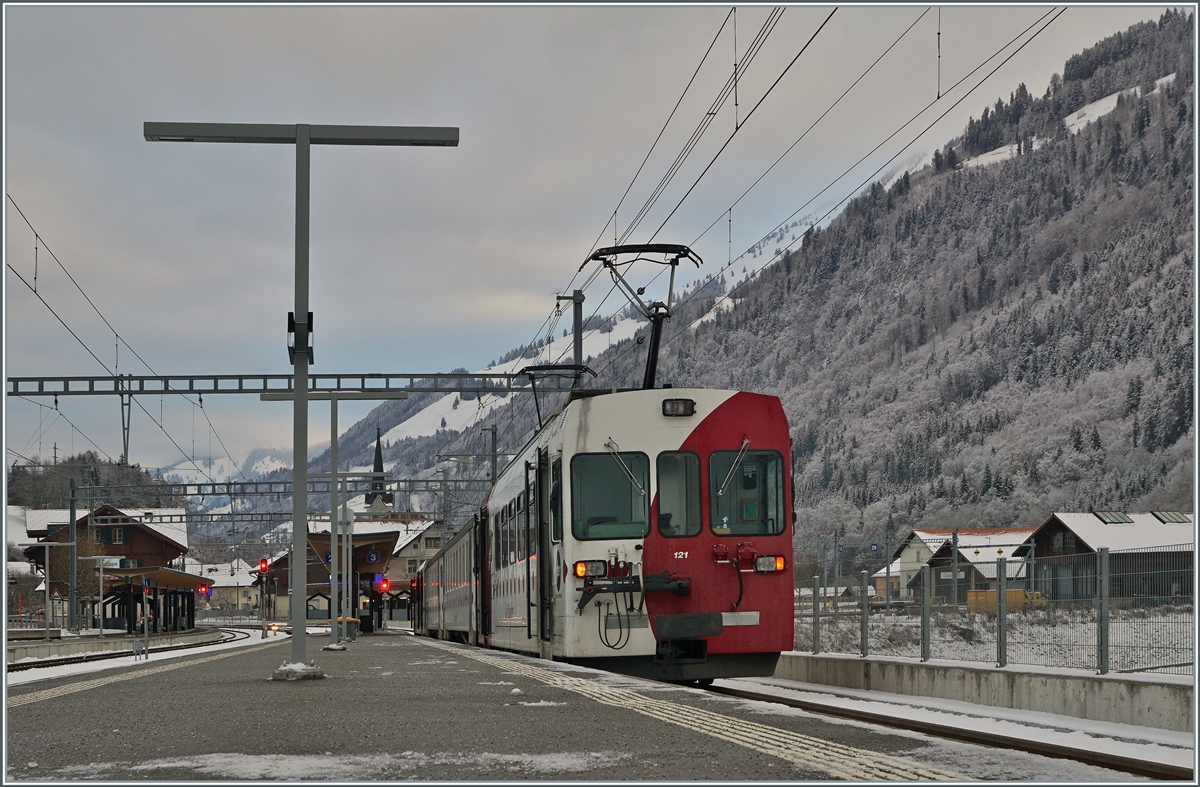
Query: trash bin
point(366, 624)
point(351, 626)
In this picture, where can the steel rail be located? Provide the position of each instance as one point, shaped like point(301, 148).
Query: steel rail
point(227, 635)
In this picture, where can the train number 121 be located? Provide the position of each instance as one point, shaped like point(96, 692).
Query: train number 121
point(681, 555)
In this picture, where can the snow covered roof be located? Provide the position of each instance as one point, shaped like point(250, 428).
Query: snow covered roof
point(883, 572)
point(235, 573)
point(413, 531)
point(1145, 530)
point(19, 568)
point(973, 537)
point(39, 521)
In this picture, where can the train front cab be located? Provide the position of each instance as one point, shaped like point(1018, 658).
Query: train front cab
point(709, 542)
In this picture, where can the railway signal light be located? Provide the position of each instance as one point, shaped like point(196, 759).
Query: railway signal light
point(262, 565)
point(384, 585)
point(203, 589)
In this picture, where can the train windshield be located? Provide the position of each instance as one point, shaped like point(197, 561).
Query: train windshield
point(747, 499)
point(609, 495)
point(678, 494)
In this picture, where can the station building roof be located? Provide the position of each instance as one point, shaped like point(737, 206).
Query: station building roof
point(39, 522)
point(1124, 531)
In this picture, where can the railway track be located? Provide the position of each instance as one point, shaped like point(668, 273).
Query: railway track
point(227, 635)
point(1153, 770)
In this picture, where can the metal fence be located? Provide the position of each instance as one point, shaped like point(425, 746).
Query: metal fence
point(1121, 611)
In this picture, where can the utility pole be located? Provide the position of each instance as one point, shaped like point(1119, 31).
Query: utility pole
point(73, 592)
point(492, 429)
point(954, 567)
point(576, 298)
point(445, 505)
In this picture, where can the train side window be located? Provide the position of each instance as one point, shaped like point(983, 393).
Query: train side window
point(556, 516)
point(504, 536)
point(746, 499)
point(519, 527)
point(678, 494)
point(610, 495)
point(496, 541)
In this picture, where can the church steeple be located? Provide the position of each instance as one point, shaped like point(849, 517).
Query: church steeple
point(377, 492)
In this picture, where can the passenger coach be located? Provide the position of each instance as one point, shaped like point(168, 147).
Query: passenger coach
point(647, 532)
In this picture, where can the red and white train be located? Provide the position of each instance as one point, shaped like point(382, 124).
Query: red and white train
point(647, 532)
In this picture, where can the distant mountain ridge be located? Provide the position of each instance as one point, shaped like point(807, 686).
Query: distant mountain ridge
point(965, 346)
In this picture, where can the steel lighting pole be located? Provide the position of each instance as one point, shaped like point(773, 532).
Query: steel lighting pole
point(302, 135)
point(334, 519)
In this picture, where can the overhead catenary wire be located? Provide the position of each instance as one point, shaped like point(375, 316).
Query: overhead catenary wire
point(654, 144)
point(754, 272)
point(104, 366)
point(706, 120)
point(117, 336)
point(806, 132)
point(515, 409)
point(747, 119)
point(747, 59)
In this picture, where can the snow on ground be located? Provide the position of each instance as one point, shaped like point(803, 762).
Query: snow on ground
point(211, 469)
point(1139, 638)
point(429, 420)
point(69, 670)
point(999, 154)
point(330, 767)
point(1145, 743)
point(722, 305)
point(1075, 122)
point(1088, 114)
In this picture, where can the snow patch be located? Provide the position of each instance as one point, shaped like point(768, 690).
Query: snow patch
point(283, 767)
point(541, 704)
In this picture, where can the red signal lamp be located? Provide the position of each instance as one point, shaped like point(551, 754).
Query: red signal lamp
point(262, 565)
point(203, 589)
point(384, 585)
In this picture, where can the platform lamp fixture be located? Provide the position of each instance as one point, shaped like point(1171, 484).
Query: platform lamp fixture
point(302, 136)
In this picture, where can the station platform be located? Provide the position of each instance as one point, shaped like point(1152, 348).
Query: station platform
point(398, 706)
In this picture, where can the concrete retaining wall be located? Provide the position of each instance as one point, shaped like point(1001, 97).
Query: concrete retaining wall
point(1162, 701)
point(81, 645)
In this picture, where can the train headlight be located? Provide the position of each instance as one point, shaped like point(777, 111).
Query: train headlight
point(769, 563)
point(678, 407)
point(591, 568)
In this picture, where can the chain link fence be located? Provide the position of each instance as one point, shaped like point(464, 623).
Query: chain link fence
point(1123, 611)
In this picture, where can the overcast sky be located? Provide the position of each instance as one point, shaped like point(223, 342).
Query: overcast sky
point(422, 259)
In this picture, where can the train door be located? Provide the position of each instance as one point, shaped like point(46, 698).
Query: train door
point(555, 564)
point(545, 554)
point(483, 579)
point(529, 553)
point(469, 580)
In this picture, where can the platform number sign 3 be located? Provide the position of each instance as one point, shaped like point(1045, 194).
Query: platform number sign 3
point(372, 555)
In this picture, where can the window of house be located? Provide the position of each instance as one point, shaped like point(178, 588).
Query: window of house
point(433, 542)
point(412, 566)
point(118, 535)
